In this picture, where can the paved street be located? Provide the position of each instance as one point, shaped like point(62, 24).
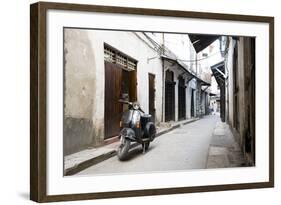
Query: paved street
point(183, 148)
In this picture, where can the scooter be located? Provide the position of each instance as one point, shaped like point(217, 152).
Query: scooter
point(136, 126)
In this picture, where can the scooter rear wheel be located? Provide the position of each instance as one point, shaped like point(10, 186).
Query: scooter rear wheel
point(123, 150)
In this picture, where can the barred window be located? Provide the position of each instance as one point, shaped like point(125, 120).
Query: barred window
point(109, 55)
point(114, 56)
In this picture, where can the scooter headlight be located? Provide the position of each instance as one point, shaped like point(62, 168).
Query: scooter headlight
point(136, 106)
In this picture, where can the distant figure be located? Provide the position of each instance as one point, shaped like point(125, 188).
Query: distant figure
point(214, 108)
point(211, 108)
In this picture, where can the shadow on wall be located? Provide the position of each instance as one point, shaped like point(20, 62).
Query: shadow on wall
point(79, 91)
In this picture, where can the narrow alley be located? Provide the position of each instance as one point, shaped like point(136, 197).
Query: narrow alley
point(195, 91)
point(186, 147)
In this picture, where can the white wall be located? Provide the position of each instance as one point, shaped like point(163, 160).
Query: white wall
point(229, 67)
point(14, 106)
point(127, 42)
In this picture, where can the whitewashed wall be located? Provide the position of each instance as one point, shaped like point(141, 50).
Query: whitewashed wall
point(130, 44)
point(229, 67)
point(90, 49)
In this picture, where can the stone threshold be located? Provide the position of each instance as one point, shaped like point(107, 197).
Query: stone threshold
point(81, 160)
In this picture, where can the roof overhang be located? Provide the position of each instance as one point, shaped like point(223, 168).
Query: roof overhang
point(218, 71)
point(200, 42)
point(184, 67)
point(181, 65)
point(202, 82)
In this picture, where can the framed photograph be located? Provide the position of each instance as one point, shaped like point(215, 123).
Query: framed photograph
point(135, 102)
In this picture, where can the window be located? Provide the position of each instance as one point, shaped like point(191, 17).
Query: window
point(113, 56)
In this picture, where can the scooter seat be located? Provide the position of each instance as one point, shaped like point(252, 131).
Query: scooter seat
point(146, 116)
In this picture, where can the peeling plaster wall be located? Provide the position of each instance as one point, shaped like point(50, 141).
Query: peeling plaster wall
point(84, 82)
point(79, 89)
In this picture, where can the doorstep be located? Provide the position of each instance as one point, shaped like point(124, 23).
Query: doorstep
point(81, 160)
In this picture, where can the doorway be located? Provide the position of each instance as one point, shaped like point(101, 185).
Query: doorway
point(169, 96)
point(120, 83)
point(151, 95)
point(113, 109)
point(192, 103)
point(181, 99)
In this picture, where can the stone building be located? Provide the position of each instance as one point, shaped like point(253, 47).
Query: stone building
point(101, 67)
point(236, 78)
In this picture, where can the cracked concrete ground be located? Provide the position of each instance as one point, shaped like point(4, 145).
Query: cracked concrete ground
point(183, 148)
point(206, 143)
point(224, 151)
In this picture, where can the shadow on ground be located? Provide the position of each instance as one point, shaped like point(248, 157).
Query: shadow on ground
point(137, 152)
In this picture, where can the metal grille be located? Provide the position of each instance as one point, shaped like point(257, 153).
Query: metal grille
point(132, 65)
point(113, 56)
point(121, 60)
point(109, 55)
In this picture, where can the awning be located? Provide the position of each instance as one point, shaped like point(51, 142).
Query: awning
point(184, 67)
point(200, 42)
point(203, 83)
point(218, 71)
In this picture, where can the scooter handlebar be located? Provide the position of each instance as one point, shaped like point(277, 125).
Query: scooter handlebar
point(130, 103)
point(125, 101)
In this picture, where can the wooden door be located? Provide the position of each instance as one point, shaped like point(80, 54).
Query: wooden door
point(181, 99)
point(113, 109)
point(133, 85)
point(151, 99)
point(169, 96)
point(192, 103)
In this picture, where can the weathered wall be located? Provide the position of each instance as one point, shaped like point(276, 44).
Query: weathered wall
point(245, 131)
point(249, 100)
point(229, 68)
point(241, 83)
point(79, 84)
point(127, 42)
point(84, 82)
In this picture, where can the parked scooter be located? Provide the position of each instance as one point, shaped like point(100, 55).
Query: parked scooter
point(136, 126)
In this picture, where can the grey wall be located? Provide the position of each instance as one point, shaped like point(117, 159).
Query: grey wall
point(79, 78)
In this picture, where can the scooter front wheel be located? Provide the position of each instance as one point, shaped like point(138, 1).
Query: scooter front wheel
point(123, 150)
point(145, 146)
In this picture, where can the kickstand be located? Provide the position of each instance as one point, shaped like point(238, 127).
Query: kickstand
point(143, 149)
